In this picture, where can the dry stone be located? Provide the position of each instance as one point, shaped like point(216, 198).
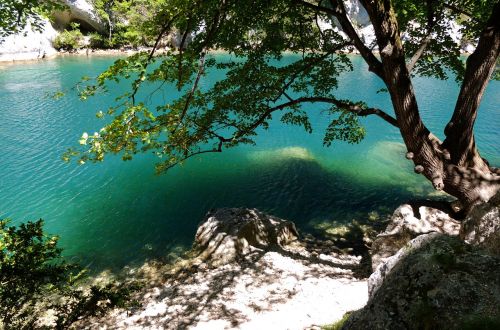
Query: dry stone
point(229, 233)
point(482, 225)
point(80, 11)
point(409, 221)
point(435, 282)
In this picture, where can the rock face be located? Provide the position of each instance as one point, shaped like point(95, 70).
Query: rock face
point(80, 11)
point(435, 282)
point(28, 44)
point(229, 233)
point(482, 226)
point(409, 221)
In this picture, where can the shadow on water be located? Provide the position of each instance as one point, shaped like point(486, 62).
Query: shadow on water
point(161, 220)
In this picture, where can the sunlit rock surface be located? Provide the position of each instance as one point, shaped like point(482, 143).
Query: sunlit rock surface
point(82, 12)
point(482, 225)
point(435, 282)
point(33, 45)
point(29, 44)
point(409, 221)
point(227, 234)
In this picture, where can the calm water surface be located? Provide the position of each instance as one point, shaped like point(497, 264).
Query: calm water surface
point(114, 213)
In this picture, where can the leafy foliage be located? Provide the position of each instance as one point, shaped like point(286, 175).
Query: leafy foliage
point(34, 278)
point(128, 21)
point(259, 85)
point(16, 14)
point(69, 40)
point(434, 23)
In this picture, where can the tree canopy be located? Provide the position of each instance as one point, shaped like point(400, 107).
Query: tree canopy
point(15, 15)
point(412, 38)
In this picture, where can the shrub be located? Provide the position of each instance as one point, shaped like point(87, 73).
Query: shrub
point(69, 40)
point(98, 41)
point(34, 278)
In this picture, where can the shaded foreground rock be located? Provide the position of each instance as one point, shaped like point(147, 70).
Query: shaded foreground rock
point(229, 233)
point(409, 221)
point(436, 282)
point(482, 226)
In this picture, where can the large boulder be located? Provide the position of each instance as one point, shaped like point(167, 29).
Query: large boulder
point(29, 44)
point(435, 282)
point(482, 225)
point(409, 221)
point(229, 233)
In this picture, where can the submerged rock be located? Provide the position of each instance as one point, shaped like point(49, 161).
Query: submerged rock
point(409, 221)
point(228, 233)
point(435, 282)
point(482, 225)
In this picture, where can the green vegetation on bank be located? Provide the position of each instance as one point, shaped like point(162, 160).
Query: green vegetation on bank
point(128, 24)
point(69, 40)
point(34, 278)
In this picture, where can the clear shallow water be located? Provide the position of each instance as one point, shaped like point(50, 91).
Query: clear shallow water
point(114, 213)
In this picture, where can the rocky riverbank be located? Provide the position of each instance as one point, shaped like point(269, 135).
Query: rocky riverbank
point(250, 270)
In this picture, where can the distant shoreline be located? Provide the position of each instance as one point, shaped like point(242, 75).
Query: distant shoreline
point(87, 52)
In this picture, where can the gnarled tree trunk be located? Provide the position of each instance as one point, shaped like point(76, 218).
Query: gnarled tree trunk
point(455, 165)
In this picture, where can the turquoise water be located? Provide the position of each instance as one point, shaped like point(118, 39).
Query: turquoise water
point(114, 213)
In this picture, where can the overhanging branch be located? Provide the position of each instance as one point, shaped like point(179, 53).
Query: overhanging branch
point(462, 12)
point(420, 51)
point(354, 108)
point(339, 12)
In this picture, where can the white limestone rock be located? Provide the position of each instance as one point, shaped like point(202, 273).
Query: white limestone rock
point(409, 221)
point(29, 44)
point(229, 233)
point(434, 282)
point(482, 225)
point(81, 11)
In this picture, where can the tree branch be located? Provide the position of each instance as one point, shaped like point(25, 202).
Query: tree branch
point(164, 29)
point(192, 154)
point(341, 104)
point(431, 22)
point(420, 51)
point(306, 67)
point(339, 12)
point(374, 65)
point(193, 89)
point(461, 11)
point(479, 68)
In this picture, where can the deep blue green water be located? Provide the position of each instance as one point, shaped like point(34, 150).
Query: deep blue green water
point(114, 213)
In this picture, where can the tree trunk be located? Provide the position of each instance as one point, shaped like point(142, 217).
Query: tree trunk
point(465, 163)
point(455, 166)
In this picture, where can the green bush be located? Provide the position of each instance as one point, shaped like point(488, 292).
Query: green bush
point(35, 278)
point(133, 38)
point(98, 41)
point(30, 265)
point(69, 40)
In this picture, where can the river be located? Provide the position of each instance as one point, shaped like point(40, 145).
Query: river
point(115, 213)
